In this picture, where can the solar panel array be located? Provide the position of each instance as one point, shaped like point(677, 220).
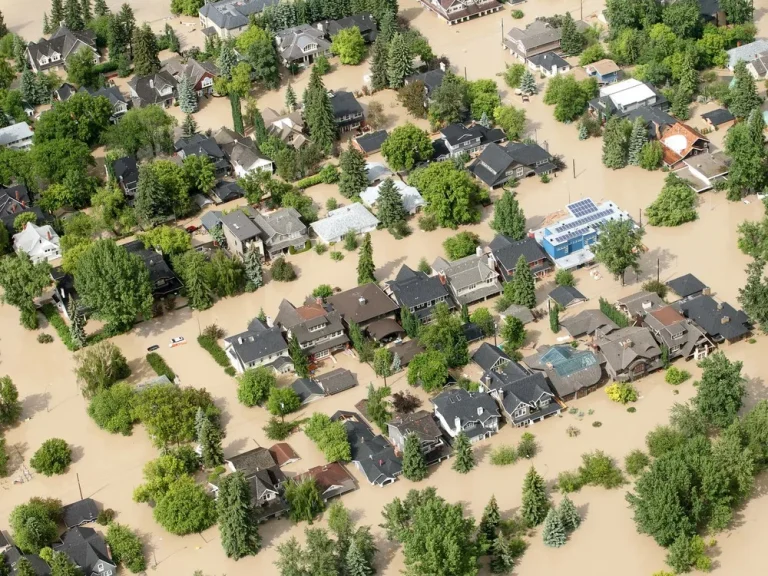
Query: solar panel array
point(582, 207)
point(579, 223)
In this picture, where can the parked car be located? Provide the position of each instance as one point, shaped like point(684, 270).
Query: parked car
point(153, 348)
point(178, 341)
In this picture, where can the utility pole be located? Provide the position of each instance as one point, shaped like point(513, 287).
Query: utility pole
point(574, 168)
point(78, 486)
point(581, 10)
point(658, 269)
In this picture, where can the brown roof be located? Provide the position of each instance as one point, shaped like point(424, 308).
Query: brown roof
point(363, 303)
point(329, 476)
point(667, 316)
point(421, 423)
point(691, 136)
point(283, 453)
point(379, 329)
point(310, 310)
point(407, 350)
point(604, 66)
point(252, 461)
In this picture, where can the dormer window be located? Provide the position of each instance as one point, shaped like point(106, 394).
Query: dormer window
point(309, 48)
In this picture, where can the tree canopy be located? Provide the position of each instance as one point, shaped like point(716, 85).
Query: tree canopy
point(675, 204)
point(406, 146)
point(451, 194)
point(619, 247)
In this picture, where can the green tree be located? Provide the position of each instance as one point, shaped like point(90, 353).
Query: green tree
point(112, 409)
point(484, 320)
point(290, 99)
point(569, 96)
point(523, 286)
point(569, 515)
point(22, 282)
point(100, 8)
point(513, 334)
point(651, 155)
point(637, 140)
point(377, 407)
point(72, 15)
point(451, 101)
point(209, 440)
point(451, 194)
point(349, 45)
point(262, 56)
point(195, 272)
point(619, 247)
point(353, 178)
point(253, 270)
point(100, 366)
point(738, 11)
point(406, 146)
point(304, 499)
point(365, 266)
point(743, 97)
point(554, 319)
point(299, 359)
point(80, 68)
point(399, 65)
point(227, 60)
point(461, 245)
point(511, 120)
point(185, 508)
point(318, 113)
point(139, 128)
point(10, 407)
point(444, 334)
point(379, 63)
point(428, 370)
point(572, 41)
point(382, 363)
point(53, 457)
point(125, 545)
point(34, 524)
point(754, 295)
point(528, 83)
point(187, 97)
point(675, 204)
point(720, 391)
point(282, 401)
point(489, 525)
point(389, 205)
point(168, 240)
point(409, 322)
point(57, 13)
point(463, 460)
point(744, 145)
point(535, 504)
point(503, 559)
point(200, 173)
point(356, 563)
point(189, 127)
point(414, 465)
point(508, 217)
point(616, 143)
point(237, 114)
point(145, 51)
point(238, 529)
point(553, 532)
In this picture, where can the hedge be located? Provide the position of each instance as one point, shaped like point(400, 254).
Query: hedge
point(213, 348)
point(105, 67)
point(160, 367)
point(310, 181)
point(55, 320)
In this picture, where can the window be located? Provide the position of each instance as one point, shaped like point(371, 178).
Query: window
point(677, 336)
point(309, 48)
point(520, 170)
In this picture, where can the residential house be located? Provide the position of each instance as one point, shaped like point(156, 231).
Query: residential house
point(40, 243)
point(687, 286)
point(758, 68)
point(14, 200)
point(419, 293)
point(711, 13)
point(679, 142)
point(370, 308)
point(64, 92)
point(301, 45)
point(319, 331)
point(746, 52)
point(537, 38)
point(242, 153)
point(55, 51)
point(354, 218)
point(412, 200)
point(522, 313)
point(204, 147)
point(163, 280)
point(81, 512)
point(629, 353)
point(377, 172)
point(656, 120)
point(282, 231)
point(241, 232)
point(524, 396)
point(158, 88)
point(622, 97)
point(347, 111)
point(260, 345)
point(703, 171)
point(116, 99)
point(455, 11)
point(64, 292)
point(566, 296)
point(366, 23)
point(373, 456)
point(548, 64)
point(336, 381)
point(283, 454)
point(126, 173)
point(680, 335)
point(16, 136)
point(12, 555)
point(226, 191)
point(470, 279)
point(719, 118)
point(472, 332)
point(474, 413)
point(289, 128)
point(567, 242)
point(308, 390)
point(200, 75)
point(229, 18)
point(720, 321)
point(496, 165)
point(588, 323)
point(424, 426)
point(459, 139)
point(406, 351)
point(432, 80)
point(573, 373)
point(506, 252)
point(605, 71)
point(637, 305)
point(371, 142)
point(332, 480)
point(87, 550)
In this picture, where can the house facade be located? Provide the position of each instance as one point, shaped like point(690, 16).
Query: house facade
point(455, 11)
point(548, 64)
point(16, 136)
point(40, 243)
point(470, 279)
point(301, 45)
point(474, 413)
point(243, 155)
point(629, 353)
point(289, 128)
point(158, 88)
point(319, 331)
point(424, 426)
point(347, 111)
point(230, 18)
point(680, 335)
point(506, 252)
point(372, 455)
point(605, 71)
point(126, 172)
point(200, 75)
point(537, 38)
point(241, 232)
point(497, 165)
point(282, 231)
point(721, 322)
point(54, 52)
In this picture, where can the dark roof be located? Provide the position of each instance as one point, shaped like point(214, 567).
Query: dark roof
point(345, 104)
point(337, 381)
point(163, 279)
point(3, 540)
point(240, 225)
point(13, 555)
point(493, 359)
point(421, 423)
point(362, 303)
point(65, 91)
point(111, 93)
point(414, 288)
point(686, 286)
point(719, 320)
point(126, 171)
point(472, 332)
point(507, 252)
point(568, 369)
point(372, 142)
point(375, 454)
point(719, 116)
point(547, 60)
point(86, 548)
point(253, 345)
point(457, 133)
point(653, 116)
point(364, 22)
point(467, 406)
point(383, 328)
point(306, 388)
point(439, 149)
point(227, 191)
point(566, 295)
point(252, 461)
point(80, 512)
point(587, 322)
point(65, 42)
point(527, 153)
point(146, 87)
point(406, 351)
point(13, 198)
point(432, 79)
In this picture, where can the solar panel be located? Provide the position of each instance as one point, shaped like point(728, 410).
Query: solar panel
point(582, 207)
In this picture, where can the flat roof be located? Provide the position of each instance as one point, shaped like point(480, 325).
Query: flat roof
point(627, 92)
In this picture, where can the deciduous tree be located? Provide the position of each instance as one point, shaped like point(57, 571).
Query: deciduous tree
point(720, 391)
point(508, 217)
point(406, 146)
point(22, 282)
point(99, 367)
point(444, 334)
point(451, 194)
point(10, 407)
point(619, 247)
point(186, 508)
point(348, 44)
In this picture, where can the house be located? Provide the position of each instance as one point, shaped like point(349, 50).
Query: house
point(14, 201)
point(337, 223)
point(319, 331)
point(588, 323)
point(204, 147)
point(16, 136)
point(363, 22)
point(87, 550)
point(566, 296)
point(711, 13)
point(12, 555)
point(281, 231)
point(40, 243)
point(681, 336)
point(605, 71)
point(226, 191)
point(264, 478)
point(371, 142)
point(522, 313)
point(524, 396)
point(369, 307)
point(158, 88)
point(308, 390)
point(347, 111)
point(548, 64)
point(64, 292)
point(283, 454)
point(506, 252)
point(703, 171)
point(229, 18)
point(622, 97)
point(377, 172)
point(474, 413)
point(412, 200)
point(126, 172)
point(655, 119)
point(242, 153)
point(679, 142)
point(459, 139)
point(56, 50)
point(163, 280)
point(260, 345)
point(629, 353)
point(472, 332)
point(200, 75)
point(424, 426)
point(336, 381)
point(432, 80)
point(241, 232)
point(470, 279)
point(746, 53)
point(496, 165)
point(301, 45)
point(80, 512)
point(331, 479)
point(758, 68)
point(64, 92)
point(720, 321)
point(454, 11)
point(419, 293)
point(719, 118)
point(289, 128)
point(406, 351)
point(4, 544)
point(537, 38)
point(116, 99)
point(637, 305)
point(573, 373)
point(567, 241)
point(687, 286)
point(373, 456)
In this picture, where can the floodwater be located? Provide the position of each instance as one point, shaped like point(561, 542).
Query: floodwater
point(108, 467)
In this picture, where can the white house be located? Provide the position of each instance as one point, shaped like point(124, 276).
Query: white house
point(549, 64)
point(17, 136)
point(353, 218)
point(41, 243)
point(412, 200)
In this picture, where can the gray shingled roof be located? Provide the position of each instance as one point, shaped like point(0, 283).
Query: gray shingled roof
point(717, 319)
point(587, 322)
point(686, 285)
point(306, 388)
point(251, 346)
point(566, 295)
point(568, 369)
point(336, 381)
point(240, 225)
point(467, 406)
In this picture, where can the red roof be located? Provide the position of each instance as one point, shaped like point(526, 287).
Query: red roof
point(283, 453)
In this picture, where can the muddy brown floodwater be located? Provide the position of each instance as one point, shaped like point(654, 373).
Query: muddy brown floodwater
point(108, 467)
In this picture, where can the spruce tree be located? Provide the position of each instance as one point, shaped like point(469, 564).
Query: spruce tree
point(396, 363)
point(261, 315)
point(237, 114)
point(365, 266)
point(100, 8)
point(637, 140)
point(583, 132)
point(508, 217)
point(172, 41)
point(743, 95)
point(389, 205)
point(502, 560)
point(237, 526)
point(484, 120)
point(260, 134)
point(46, 24)
point(569, 516)
point(318, 113)
point(290, 99)
point(380, 54)
point(399, 65)
point(528, 83)
point(355, 562)
point(85, 11)
point(414, 465)
point(128, 24)
point(19, 53)
point(523, 284)
point(489, 523)
point(145, 51)
point(299, 359)
point(535, 503)
point(409, 322)
point(28, 87)
point(72, 17)
point(353, 178)
point(463, 460)
point(387, 25)
point(189, 126)
point(553, 532)
point(227, 60)
point(253, 271)
point(187, 96)
point(572, 41)
point(681, 101)
point(615, 143)
point(76, 324)
point(57, 14)
point(200, 419)
point(209, 440)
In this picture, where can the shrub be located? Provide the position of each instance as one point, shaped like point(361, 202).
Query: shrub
point(283, 271)
point(321, 248)
point(596, 424)
point(309, 181)
point(572, 431)
point(350, 241)
point(337, 256)
point(53, 457)
point(215, 474)
point(329, 174)
point(44, 338)
point(564, 278)
point(675, 376)
point(105, 517)
point(503, 455)
point(527, 448)
point(213, 331)
point(618, 318)
point(621, 392)
point(599, 469)
point(663, 439)
point(461, 245)
point(631, 409)
point(635, 462)
point(428, 223)
point(322, 65)
point(126, 548)
point(160, 367)
point(230, 371)
point(322, 291)
point(568, 481)
point(217, 352)
point(112, 409)
point(424, 266)
point(331, 204)
point(277, 429)
point(658, 288)
point(517, 14)
point(57, 322)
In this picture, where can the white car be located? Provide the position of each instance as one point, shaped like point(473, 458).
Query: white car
point(178, 341)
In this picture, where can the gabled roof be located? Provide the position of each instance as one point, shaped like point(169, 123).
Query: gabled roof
point(465, 271)
point(352, 218)
point(332, 479)
point(37, 241)
point(283, 221)
point(163, 279)
point(14, 133)
point(80, 512)
point(252, 461)
point(746, 52)
point(719, 320)
point(336, 381)
point(686, 286)
point(718, 117)
point(640, 303)
point(192, 70)
point(372, 141)
point(344, 104)
point(522, 313)
point(377, 171)
point(466, 406)
point(147, 88)
point(227, 191)
point(65, 91)
point(283, 453)
point(374, 454)
point(421, 423)
point(537, 33)
point(251, 345)
point(457, 133)
point(409, 195)
point(292, 42)
point(307, 389)
point(87, 549)
point(603, 67)
point(364, 22)
point(231, 14)
point(432, 80)
point(406, 351)
point(126, 170)
point(413, 288)
point(568, 369)
point(240, 225)
point(547, 60)
point(624, 346)
point(587, 322)
point(680, 140)
point(63, 42)
point(362, 303)
point(111, 93)
point(507, 252)
point(567, 295)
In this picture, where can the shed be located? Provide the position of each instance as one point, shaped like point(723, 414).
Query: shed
point(719, 118)
point(522, 313)
point(283, 453)
point(567, 296)
point(336, 381)
point(371, 142)
point(80, 512)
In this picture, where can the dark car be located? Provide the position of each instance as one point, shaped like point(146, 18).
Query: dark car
point(153, 348)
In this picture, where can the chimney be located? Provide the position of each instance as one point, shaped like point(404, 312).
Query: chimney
point(479, 410)
point(239, 339)
point(479, 251)
point(441, 275)
point(319, 301)
point(49, 235)
point(647, 305)
point(361, 301)
point(17, 195)
point(706, 292)
point(152, 83)
point(724, 320)
point(442, 66)
point(457, 423)
point(491, 262)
